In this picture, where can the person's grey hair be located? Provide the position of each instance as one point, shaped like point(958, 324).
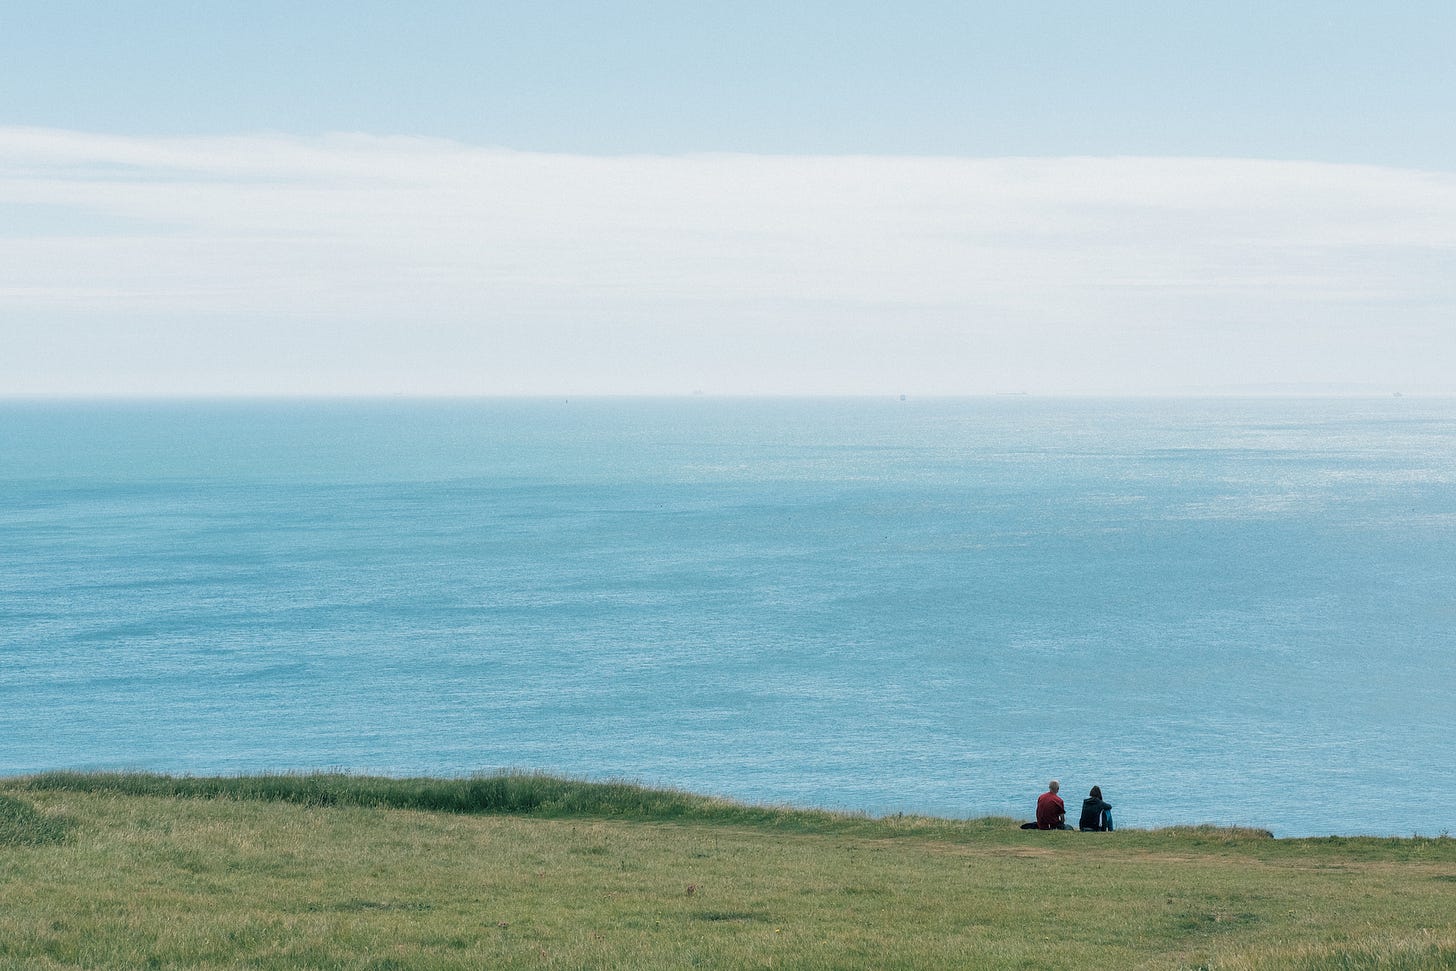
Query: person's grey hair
point(1054, 785)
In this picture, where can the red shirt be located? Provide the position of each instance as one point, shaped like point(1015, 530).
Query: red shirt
point(1050, 811)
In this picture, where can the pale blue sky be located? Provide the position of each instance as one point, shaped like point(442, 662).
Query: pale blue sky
point(1328, 80)
point(281, 257)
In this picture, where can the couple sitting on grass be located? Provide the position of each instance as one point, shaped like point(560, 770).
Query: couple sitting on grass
point(1051, 812)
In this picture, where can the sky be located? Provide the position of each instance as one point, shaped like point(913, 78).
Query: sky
point(750, 198)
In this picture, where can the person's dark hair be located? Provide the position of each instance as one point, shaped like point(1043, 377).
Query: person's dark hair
point(1096, 792)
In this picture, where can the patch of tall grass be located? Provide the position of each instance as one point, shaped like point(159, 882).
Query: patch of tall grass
point(503, 793)
point(22, 825)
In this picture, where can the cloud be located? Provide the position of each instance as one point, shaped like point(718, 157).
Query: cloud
point(355, 263)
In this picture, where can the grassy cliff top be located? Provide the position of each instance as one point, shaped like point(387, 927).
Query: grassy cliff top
point(105, 870)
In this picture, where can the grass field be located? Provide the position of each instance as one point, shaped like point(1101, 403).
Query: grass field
point(140, 871)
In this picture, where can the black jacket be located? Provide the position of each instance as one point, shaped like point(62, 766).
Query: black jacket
point(1092, 810)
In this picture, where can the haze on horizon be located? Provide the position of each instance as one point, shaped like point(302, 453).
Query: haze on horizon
point(628, 198)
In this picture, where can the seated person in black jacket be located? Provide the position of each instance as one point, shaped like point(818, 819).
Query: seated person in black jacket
point(1096, 814)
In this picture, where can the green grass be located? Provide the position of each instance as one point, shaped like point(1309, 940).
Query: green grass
point(529, 871)
point(513, 793)
point(21, 825)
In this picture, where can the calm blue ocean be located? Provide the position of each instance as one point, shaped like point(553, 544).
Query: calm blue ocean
point(1228, 611)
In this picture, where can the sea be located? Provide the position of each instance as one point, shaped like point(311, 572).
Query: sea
point(1237, 611)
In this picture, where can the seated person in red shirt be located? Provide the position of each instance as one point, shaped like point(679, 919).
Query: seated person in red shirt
point(1051, 812)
